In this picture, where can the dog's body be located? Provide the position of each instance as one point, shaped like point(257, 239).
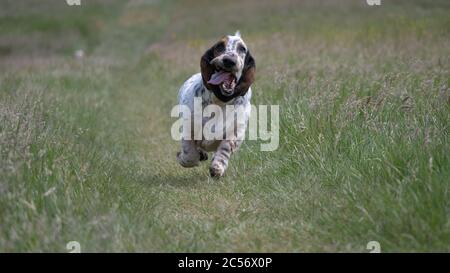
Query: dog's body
point(227, 72)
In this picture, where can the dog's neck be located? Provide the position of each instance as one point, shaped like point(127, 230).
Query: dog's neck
point(209, 97)
point(216, 97)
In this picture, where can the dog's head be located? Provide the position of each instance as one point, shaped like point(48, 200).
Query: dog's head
point(228, 68)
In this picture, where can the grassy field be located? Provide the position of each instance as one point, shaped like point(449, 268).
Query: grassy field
point(86, 153)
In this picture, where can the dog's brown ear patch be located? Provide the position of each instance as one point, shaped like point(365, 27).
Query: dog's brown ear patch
point(248, 75)
point(206, 68)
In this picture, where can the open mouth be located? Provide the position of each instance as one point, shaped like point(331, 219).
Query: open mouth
point(225, 79)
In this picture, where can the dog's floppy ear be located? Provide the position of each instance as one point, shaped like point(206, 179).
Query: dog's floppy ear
point(206, 68)
point(248, 75)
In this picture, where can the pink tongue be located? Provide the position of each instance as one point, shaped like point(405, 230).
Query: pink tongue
point(219, 77)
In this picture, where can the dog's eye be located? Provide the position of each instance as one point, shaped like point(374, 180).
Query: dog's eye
point(220, 47)
point(242, 49)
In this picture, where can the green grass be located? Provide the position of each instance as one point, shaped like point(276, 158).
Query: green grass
point(86, 152)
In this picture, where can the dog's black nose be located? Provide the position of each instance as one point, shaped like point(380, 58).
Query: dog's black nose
point(228, 62)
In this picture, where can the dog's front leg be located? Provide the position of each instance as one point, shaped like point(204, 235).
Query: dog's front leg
point(221, 157)
point(226, 147)
point(189, 156)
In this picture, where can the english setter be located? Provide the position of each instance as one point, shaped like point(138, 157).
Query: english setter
point(227, 72)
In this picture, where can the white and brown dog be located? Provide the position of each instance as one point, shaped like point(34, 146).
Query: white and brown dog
point(227, 72)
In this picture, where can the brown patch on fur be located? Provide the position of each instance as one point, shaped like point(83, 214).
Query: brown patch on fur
point(207, 69)
point(248, 75)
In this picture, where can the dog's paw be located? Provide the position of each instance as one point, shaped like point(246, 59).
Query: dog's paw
point(216, 170)
point(203, 155)
point(186, 161)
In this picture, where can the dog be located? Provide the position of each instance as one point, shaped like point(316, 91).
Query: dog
point(227, 73)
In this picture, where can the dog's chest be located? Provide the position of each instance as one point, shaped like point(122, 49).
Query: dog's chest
point(216, 114)
point(219, 120)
